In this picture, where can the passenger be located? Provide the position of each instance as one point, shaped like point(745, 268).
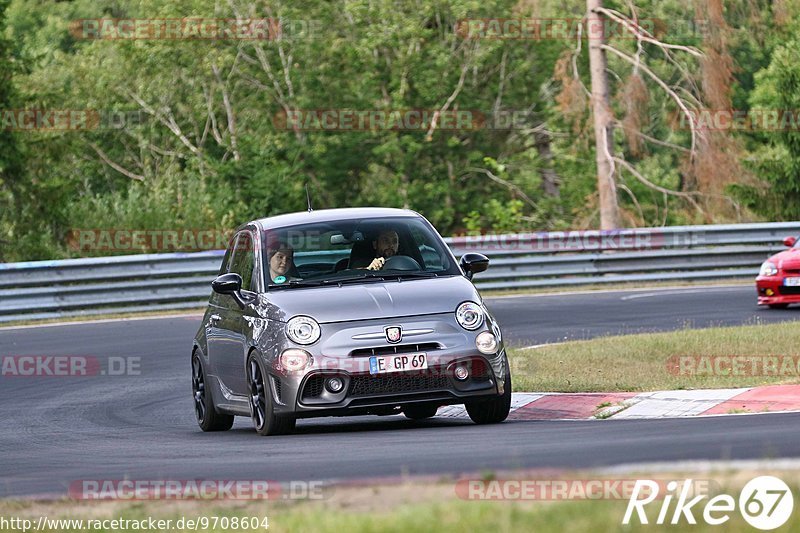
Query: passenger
point(280, 258)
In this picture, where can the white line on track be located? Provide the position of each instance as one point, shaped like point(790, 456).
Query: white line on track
point(614, 291)
point(670, 292)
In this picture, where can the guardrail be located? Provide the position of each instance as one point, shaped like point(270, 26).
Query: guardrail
point(53, 289)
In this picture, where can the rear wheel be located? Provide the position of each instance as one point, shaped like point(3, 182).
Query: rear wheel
point(494, 410)
point(207, 416)
point(778, 306)
point(265, 421)
point(420, 412)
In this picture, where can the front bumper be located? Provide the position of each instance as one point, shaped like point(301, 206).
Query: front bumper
point(446, 346)
point(771, 290)
point(366, 392)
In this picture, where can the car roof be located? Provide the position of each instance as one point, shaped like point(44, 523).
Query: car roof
point(329, 215)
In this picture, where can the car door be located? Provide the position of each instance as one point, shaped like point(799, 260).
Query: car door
point(228, 351)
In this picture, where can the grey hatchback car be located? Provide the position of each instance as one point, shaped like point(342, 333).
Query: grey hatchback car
point(344, 312)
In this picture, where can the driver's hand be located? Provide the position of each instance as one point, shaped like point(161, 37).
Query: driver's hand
point(376, 264)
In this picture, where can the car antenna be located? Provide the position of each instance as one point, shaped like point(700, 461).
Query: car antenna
point(308, 199)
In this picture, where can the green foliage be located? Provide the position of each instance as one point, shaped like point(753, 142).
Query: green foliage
point(184, 164)
point(777, 161)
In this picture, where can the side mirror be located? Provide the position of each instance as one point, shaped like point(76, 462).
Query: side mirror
point(472, 263)
point(789, 241)
point(227, 283)
point(230, 284)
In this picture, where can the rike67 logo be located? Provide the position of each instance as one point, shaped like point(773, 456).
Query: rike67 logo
point(765, 503)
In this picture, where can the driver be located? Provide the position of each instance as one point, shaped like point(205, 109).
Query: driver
point(386, 245)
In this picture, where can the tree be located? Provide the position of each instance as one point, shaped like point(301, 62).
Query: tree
point(777, 161)
point(603, 121)
point(11, 178)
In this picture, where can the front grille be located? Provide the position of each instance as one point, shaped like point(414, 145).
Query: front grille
point(788, 290)
point(314, 386)
point(397, 383)
point(479, 369)
point(398, 348)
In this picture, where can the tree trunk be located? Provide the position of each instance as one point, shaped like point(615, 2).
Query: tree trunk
point(603, 118)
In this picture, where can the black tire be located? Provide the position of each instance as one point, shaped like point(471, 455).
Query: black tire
point(420, 412)
point(777, 306)
point(493, 410)
point(265, 421)
point(206, 414)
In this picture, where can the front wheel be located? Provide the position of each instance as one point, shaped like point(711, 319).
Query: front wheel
point(494, 410)
point(265, 421)
point(207, 416)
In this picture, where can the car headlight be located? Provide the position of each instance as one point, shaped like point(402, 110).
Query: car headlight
point(469, 315)
point(486, 343)
point(768, 269)
point(303, 330)
point(293, 359)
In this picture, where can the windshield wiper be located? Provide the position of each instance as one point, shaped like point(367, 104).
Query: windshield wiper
point(422, 274)
point(366, 276)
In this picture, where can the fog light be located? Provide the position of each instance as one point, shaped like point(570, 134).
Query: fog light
point(486, 343)
point(769, 292)
point(334, 385)
point(461, 373)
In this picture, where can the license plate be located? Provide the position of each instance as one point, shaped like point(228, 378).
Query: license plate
point(397, 363)
point(791, 282)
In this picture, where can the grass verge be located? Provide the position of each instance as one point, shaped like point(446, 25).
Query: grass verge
point(417, 507)
point(659, 361)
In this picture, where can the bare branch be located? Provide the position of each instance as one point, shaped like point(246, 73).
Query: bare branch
point(635, 201)
point(107, 160)
point(226, 100)
point(501, 83)
point(688, 196)
point(664, 86)
point(642, 34)
point(449, 101)
point(575, 55)
point(505, 183)
point(652, 139)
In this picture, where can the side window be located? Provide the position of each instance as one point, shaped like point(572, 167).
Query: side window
point(226, 261)
point(428, 250)
point(243, 260)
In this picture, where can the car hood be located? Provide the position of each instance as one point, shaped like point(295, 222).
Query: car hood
point(366, 301)
point(787, 259)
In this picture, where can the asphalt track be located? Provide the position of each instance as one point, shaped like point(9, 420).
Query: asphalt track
point(56, 430)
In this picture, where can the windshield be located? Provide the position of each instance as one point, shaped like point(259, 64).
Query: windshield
point(354, 251)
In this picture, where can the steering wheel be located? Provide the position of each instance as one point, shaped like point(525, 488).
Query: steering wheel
point(401, 262)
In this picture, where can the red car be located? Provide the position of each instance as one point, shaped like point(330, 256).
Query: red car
point(778, 282)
